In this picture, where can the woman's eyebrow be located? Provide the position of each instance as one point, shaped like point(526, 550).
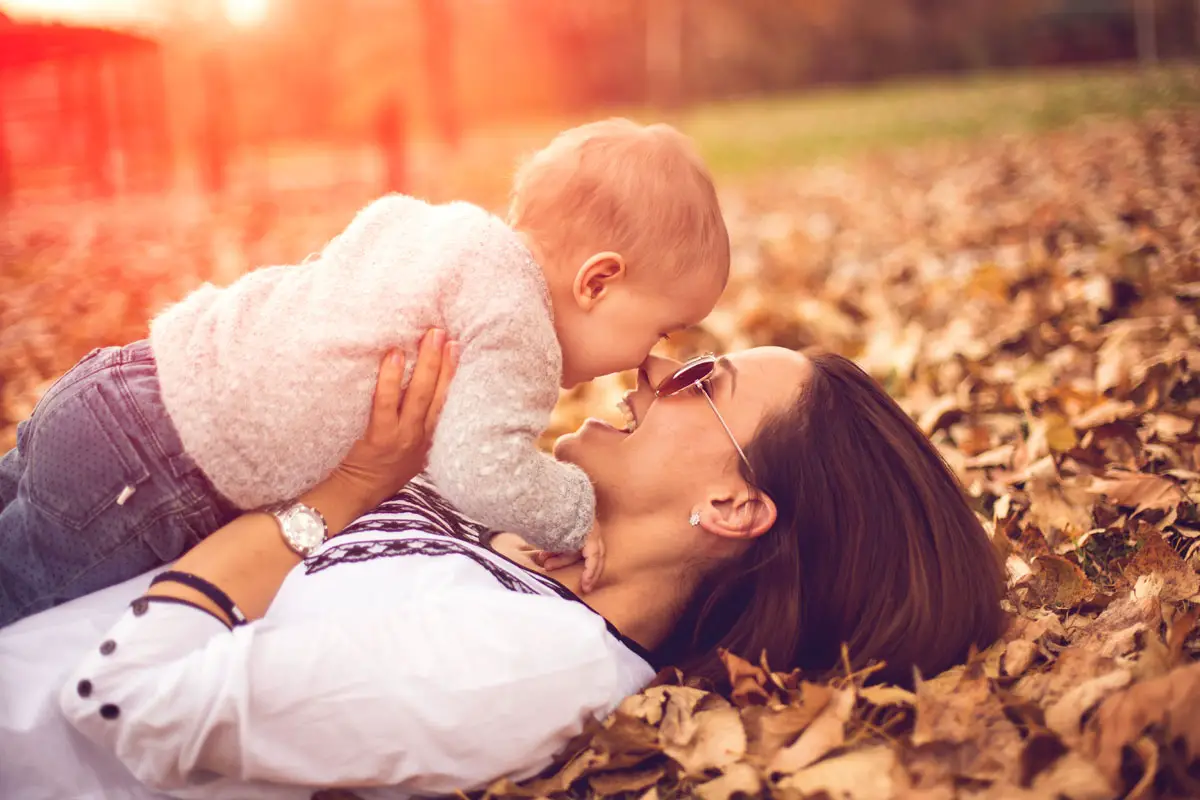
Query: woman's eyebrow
point(732, 370)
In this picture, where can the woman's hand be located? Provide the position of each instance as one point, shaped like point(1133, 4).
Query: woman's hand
point(248, 558)
point(394, 448)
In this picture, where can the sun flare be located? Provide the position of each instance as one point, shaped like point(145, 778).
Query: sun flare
point(246, 13)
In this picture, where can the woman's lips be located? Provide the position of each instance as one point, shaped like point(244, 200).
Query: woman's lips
point(593, 422)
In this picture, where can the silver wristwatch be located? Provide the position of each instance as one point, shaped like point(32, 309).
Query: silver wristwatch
point(303, 527)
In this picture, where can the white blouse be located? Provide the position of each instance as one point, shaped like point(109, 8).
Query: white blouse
point(404, 654)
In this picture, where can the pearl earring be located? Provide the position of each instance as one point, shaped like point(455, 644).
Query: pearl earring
point(694, 519)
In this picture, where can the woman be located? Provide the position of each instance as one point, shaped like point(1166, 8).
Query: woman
point(765, 501)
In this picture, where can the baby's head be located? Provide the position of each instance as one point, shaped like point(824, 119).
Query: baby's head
point(624, 220)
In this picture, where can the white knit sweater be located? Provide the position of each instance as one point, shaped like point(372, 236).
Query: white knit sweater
point(269, 380)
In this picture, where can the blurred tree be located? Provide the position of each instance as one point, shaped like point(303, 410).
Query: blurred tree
point(217, 123)
point(321, 71)
point(6, 179)
point(438, 41)
point(391, 131)
point(1145, 15)
point(665, 32)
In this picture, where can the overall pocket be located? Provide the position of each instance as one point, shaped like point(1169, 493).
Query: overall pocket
point(80, 458)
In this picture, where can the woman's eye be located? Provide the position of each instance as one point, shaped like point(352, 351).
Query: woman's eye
point(664, 338)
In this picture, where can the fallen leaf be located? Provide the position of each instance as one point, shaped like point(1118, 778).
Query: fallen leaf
point(1140, 491)
point(966, 728)
point(703, 740)
point(768, 729)
point(942, 414)
point(647, 705)
point(1105, 413)
point(1018, 657)
point(1001, 456)
point(867, 774)
point(737, 779)
point(887, 696)
point(1061, 512)
point(1072, 776)
point(1060, 582)
point(748, 680)
point(1064, 715)
point(629, 780)
point(1172, 701)
point(1051, 433)
point(826, 732)
point(1157, 558)
point(1114, 632)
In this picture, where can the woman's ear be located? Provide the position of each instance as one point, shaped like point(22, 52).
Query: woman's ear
point(742, 514)
point(596, 276)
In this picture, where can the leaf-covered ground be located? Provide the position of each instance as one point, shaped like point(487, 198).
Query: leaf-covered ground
point(1033, 302)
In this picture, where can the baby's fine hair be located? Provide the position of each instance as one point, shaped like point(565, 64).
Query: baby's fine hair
point(640, 190)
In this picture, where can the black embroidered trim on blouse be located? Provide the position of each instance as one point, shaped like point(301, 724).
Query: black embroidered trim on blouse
point(436, 515)
point(418, 508)
point(352, 552)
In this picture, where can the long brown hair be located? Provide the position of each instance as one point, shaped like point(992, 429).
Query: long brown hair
point(874, 546)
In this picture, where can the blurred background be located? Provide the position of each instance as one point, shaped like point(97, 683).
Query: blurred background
point(112, 97)
point(149, 145)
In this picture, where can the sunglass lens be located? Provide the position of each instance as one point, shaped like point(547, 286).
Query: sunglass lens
point(686, 376)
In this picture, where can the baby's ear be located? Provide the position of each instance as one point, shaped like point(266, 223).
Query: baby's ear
point(597, 275)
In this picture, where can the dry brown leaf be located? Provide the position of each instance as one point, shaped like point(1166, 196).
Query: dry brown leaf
point(866, 774)
point(1170, 427)
point(768, 729)
point(887, 696)
point(748, 680)
point(1154, 557)
point(1060, 511)
point(1052, 433)
point(1001, 456)
point(827, 731)
point(702, 740)
point(1172, 701)
point(1072, 776)
point(1059, 581)
point(1140, 491)
point(629, 780)
point(647, 705)
point(1018, 657)
point(965, 728)
point(943, 413)
point(1114, 631)
point(1064, 715)
point(739, 778)
point(1105, 413)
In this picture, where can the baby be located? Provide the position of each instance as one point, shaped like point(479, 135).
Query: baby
point(246, 396)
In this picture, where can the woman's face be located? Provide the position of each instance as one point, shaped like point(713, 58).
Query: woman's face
point(678, 448)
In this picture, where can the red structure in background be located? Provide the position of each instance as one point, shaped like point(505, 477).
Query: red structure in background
point(82, 112)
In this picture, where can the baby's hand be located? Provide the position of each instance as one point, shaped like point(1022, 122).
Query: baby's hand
point(593, 562)
point(592, 556)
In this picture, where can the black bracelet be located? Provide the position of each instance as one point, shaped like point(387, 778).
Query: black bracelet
point(205, 588)
point(177, 601)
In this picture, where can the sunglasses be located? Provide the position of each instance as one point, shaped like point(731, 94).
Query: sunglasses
point(697, 373)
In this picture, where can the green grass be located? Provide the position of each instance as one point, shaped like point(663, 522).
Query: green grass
point(768, 134)
point(755, 136)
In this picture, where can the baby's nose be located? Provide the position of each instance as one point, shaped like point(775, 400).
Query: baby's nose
point(656, 369)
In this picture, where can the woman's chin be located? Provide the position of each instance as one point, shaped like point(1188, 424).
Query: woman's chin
point(569, 447)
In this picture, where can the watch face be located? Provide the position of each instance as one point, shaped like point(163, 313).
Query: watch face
point(305, 529)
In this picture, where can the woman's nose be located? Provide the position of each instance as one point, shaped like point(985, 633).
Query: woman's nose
point(656, 369)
